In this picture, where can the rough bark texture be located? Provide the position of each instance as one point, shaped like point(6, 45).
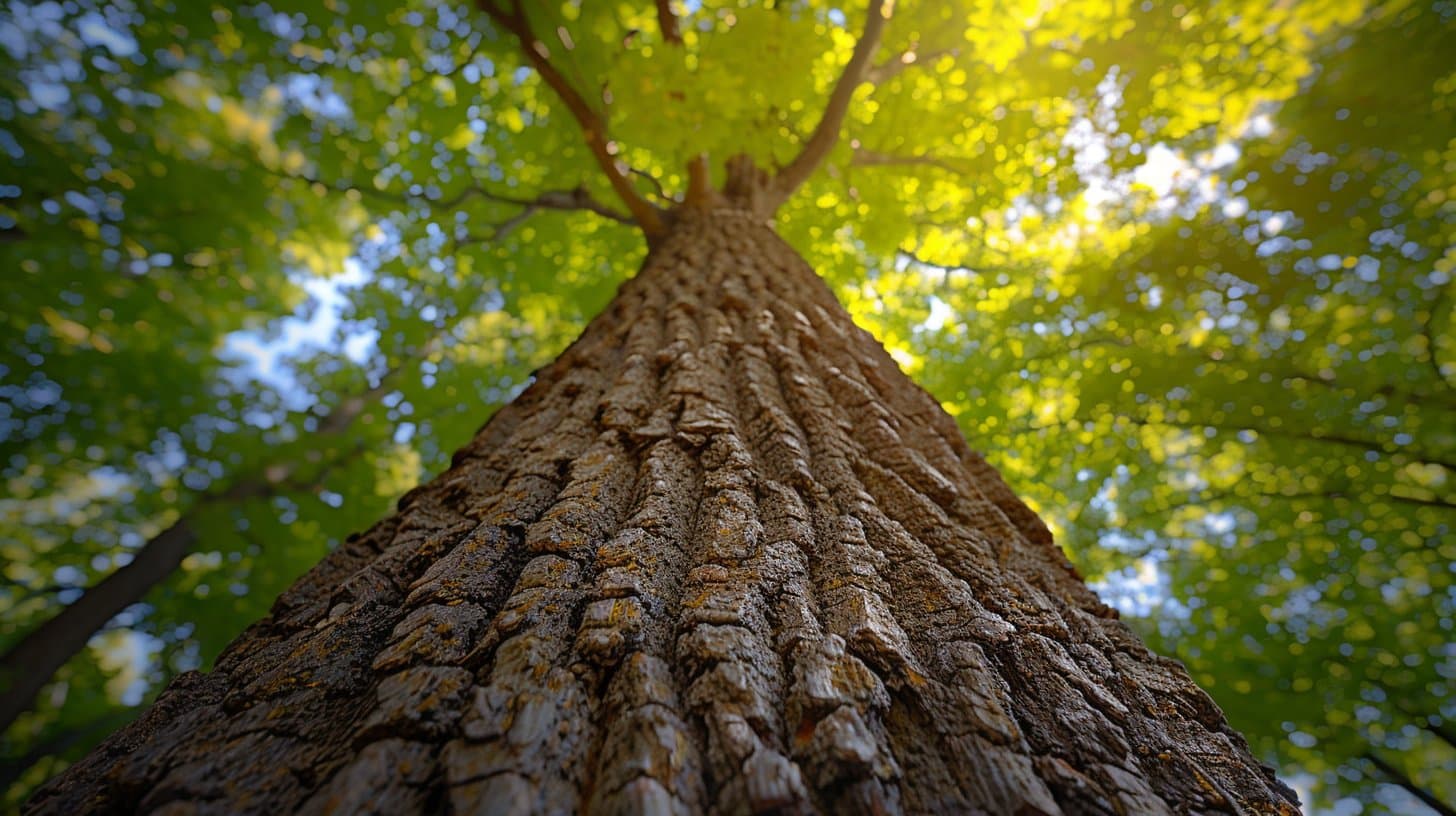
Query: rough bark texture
point(722, 556)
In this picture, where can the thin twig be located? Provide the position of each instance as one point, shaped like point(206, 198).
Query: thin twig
point(498, 231)
point(656, 185)
point(1432, 350)
point(1311, 435)
point(578, 198)
point(871, 158)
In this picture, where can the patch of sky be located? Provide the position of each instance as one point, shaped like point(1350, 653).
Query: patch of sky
point(50, 96)
point(28, 24)
point(263, 355)
point(133, 652)
point(316, 95)
point(481, 68)
point(940, 314)
point(96, 30)
point(1140, 589)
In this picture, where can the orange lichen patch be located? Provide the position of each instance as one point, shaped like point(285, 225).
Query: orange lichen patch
point(804, 733)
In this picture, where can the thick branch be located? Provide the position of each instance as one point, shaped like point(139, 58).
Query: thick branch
point(593, 129)
point(700, 186)
point(667, 21)
point(1398, 777)
point(826, 133)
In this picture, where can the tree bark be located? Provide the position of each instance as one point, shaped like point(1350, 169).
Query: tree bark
point(722, 556)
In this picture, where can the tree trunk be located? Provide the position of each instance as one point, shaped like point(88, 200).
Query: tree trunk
point(30, 663)
point(721, 556)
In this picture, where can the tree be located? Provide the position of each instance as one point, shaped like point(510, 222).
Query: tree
point(721, 547)
point(842, 535)
point(1029, 86)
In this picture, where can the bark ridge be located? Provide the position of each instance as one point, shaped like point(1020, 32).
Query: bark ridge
point(722, 556)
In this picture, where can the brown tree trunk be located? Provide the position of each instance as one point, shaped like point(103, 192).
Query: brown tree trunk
point(31, 662)
point(722, 556)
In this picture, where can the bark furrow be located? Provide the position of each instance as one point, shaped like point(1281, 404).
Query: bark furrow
point(722, 556)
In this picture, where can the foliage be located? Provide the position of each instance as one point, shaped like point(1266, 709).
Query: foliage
point(1183, 271)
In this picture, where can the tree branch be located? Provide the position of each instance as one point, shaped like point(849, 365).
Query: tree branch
point(1234, 496)
point(593, 129)
point(651, 179)
point(578, 199)
point(826, 133)
point(1219, 357)
point(969, 268)
point(1399, 777)
point(700, 186)
point(908, 58)
point(498, 231)
point(870, 158)
point(1441, 729)
point(1310, 435)
point(28, 665)
point(667, 21)
point(1433, 351)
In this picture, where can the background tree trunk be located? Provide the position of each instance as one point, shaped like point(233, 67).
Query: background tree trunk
point(722, 555)
point(29, 665)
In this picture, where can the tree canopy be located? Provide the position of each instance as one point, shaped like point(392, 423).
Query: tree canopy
point(1181, 270)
